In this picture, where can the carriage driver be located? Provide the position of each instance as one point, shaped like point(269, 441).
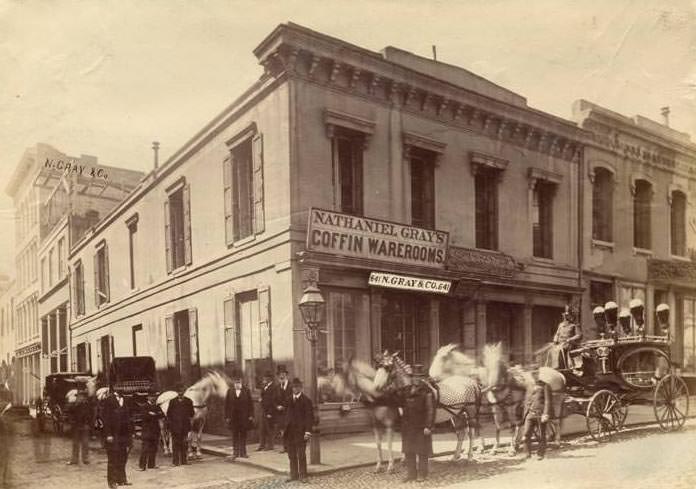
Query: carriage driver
point(536, 414)
point(568, 335)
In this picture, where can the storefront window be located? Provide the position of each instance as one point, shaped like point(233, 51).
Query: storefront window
point(689, 325)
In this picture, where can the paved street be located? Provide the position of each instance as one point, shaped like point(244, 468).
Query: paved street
point(640, 457)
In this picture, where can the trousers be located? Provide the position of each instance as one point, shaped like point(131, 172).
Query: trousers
point(116, 456)
point(148, 454)
point(80, 442)
point(419, 468)
point(179, 448)
point(298, 458)
point(267, 432)
point(239, 436)
point(530, 423)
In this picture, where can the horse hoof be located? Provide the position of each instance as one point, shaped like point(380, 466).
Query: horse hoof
point(390, 469)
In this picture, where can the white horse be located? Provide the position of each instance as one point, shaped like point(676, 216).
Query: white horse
point(212, 383)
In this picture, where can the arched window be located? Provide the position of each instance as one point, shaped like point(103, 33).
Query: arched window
point(678, 223)
point(602, 205)
point(642, 200)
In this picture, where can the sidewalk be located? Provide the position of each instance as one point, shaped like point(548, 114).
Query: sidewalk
point(340, 452)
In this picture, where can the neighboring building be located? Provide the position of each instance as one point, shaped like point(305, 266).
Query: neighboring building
point(7, 337)
point(425, 170)
point(45, 186)
point(640, 220)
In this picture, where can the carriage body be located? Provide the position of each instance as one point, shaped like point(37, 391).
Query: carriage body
point(53, 406)
point(607, 375)
point(136, 379)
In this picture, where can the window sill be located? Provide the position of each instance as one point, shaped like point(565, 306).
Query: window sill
point(684, 259)
point(178, 271)
point(642, 252)
point(541, 259)
point(243, 241)
point(605, 245)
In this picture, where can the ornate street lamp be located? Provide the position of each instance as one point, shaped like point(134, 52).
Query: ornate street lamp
point(312, 308)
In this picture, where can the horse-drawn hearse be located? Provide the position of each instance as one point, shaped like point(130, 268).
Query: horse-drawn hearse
point(54, 405)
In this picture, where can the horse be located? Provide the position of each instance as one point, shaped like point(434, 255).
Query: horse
point(455, 379)
point(377, 390)
point(212, 383)
point(506, 389)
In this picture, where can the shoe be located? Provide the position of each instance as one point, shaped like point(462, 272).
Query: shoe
point(408, 479)
point(112, 485)
point(282, 450)
point(528, 456)
point(304, 480)
point(540, 457)
point(260, 449)
point(244, 456)
point(71, 463)
point(420, 479)
point(290, 479)
point(142, 469)
point(85, 462)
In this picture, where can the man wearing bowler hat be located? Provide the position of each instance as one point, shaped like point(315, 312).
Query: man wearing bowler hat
point(300, 418)
point(282, 399)
point(269, 398)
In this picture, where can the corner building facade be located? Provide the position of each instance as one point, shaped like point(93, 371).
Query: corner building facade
point(427, 204)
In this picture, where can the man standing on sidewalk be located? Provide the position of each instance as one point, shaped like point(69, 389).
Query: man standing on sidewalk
point(118, 433)
point(82, 420)
point(536, 414)
point(269, 398)
point(416, 426)
point(179, 415)
point(239, 414)
point(150, 433)
point(298, 431)
point(282, 400)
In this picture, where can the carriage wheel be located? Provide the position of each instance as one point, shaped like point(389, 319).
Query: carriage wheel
point(671, 402)
point(605, 415)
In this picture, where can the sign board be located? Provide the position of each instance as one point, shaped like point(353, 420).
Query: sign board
point(404, 282)
point(364, 237)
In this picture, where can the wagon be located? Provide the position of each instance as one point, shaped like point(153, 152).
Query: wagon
point(608, 375)
point(53, 406)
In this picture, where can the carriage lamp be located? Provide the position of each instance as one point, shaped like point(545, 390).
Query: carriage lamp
point(637, 311)
point(662, 313)
point(312, 308)
point(600, 322)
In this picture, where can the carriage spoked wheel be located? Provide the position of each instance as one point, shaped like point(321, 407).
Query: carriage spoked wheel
point(605, 415)
point(671, 402)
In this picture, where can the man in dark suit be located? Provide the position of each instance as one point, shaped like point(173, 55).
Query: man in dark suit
point(298, 430)
point(282, 399)
point(118, 437)
point(536, 414)
point(239, 414)
point(269, 399)
point(179, 415)
point(150, 433)
point(82, 420)
point(416, 426)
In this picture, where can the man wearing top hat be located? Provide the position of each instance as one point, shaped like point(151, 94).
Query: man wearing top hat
point(283, 396)
point(118, 438)
point(298, 430)
point(269, 399)
point(239, 414)
point(179, 415)
point(416, 426)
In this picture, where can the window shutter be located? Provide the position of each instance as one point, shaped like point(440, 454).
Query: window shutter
point(89, 357)
point(167, 236)
point(99, 355)
point(187, 223)
point(96, 279)
point(193, 332)
point(171, 341)
point(227, 195)
point(230, 331)
point(73, 359)
point(264, 294)
point(259, 215)
point(106, 292)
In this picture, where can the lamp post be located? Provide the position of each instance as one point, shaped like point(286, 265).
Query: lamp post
point(312, 309)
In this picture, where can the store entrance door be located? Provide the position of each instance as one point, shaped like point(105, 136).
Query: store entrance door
point(406, 327)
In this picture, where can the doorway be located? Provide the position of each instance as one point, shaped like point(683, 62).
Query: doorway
point(406, 327)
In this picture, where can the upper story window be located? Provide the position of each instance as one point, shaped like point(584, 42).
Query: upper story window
point(542, 219)
point(678, 223)
point(101, 275)
point(243, 186)
point(177, 226)
point(44, 283)
point(61, 258)
point(486, 203)
point(642, 202)
point(79, 288)
point(602, 205)
point(51, 267)
point(132, 225)
point(423, 189)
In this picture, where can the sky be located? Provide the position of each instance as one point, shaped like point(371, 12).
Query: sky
point(107, 78)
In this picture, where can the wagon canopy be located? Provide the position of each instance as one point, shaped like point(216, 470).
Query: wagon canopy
point(133, 374)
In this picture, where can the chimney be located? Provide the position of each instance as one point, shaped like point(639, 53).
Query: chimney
point(155, 148)
point(665, 115)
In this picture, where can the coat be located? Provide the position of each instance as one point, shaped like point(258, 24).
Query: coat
point(179, 415)
point(117, 421)
point(270, 395)
point(150, 425)
point(239, 410)
point(418, 414)
point(538, 401)
point(83, 413)
point(300, 419)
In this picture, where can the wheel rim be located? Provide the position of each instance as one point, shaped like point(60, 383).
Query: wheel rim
point(605, 415)
point(671, 402)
